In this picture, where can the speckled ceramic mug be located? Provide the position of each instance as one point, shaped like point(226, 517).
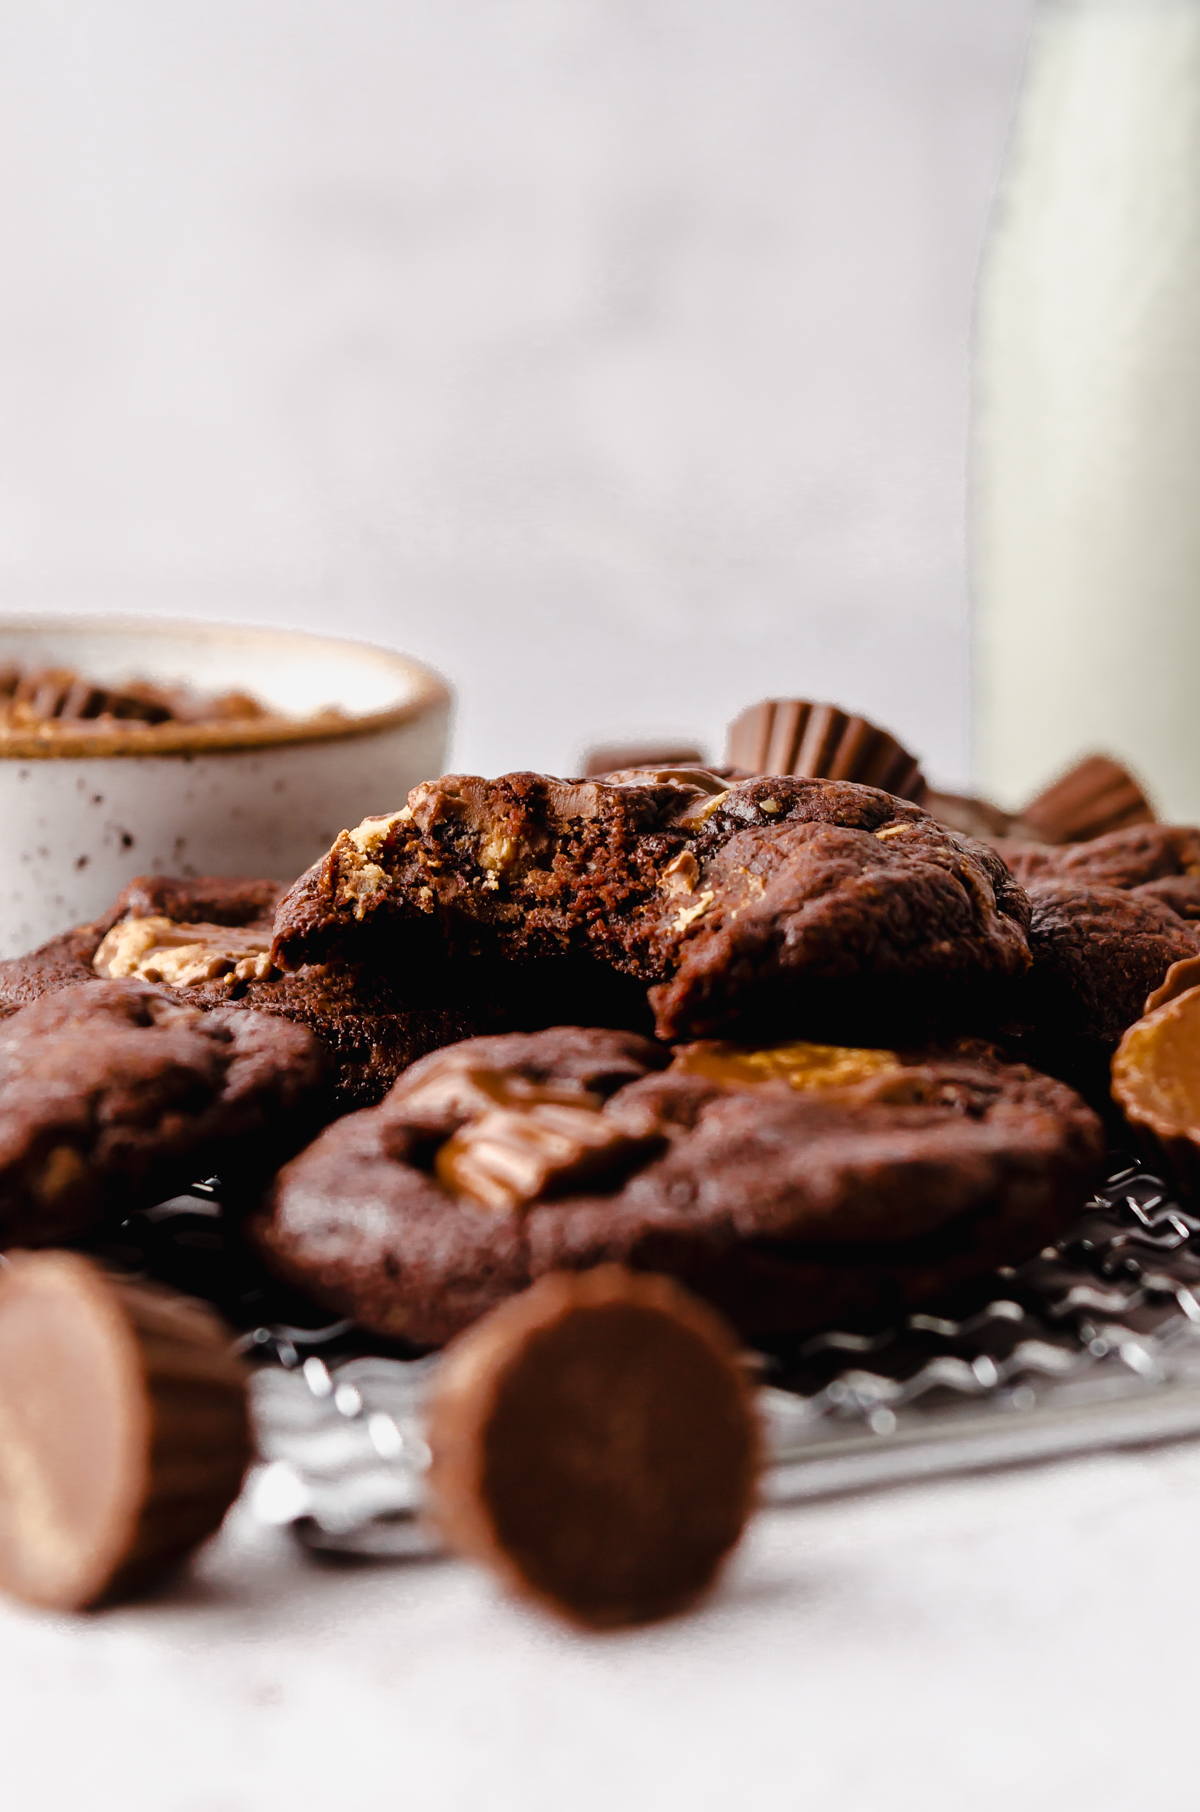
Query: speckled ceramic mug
point(82, 813)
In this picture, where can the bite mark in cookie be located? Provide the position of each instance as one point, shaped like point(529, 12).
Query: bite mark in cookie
point(766, 905)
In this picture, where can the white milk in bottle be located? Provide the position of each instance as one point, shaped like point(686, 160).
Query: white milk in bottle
point(1086, 479)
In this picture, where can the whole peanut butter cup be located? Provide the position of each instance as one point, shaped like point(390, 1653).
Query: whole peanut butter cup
point(595, 1444)
point(822, 742)
point(124, 1432)
point(1094, 797)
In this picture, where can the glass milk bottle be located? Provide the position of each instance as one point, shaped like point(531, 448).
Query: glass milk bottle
point(1086, 464)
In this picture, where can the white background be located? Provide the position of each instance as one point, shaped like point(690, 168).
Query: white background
point(612, 354)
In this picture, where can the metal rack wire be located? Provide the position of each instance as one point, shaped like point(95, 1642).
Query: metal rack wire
point(1093, 1343)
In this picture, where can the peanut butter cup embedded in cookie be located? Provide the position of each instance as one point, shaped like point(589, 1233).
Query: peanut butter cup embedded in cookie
point(207, 900)
point(124, 1431)
point(790, 1188)
point(595, 1444)
point(207, 942)
point(755, 908)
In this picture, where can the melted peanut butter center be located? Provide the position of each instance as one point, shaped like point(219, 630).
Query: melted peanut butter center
point(801, 1066)
point(184, 956)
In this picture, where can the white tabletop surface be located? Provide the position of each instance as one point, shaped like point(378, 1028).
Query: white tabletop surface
point(1024, 1639)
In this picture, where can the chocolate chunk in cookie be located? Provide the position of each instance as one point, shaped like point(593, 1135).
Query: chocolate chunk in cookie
point(791, 1188)
point(113, 1096)
point(124, 1430)
point(595, 1443)
point(769, 905)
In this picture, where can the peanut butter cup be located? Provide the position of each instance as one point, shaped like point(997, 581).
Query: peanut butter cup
point(595, 1444)
point(1156, 1082)
point(795, 736)
point(124, 1431)
point(1094, 797)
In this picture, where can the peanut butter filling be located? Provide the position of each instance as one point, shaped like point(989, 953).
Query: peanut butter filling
point(801, 1066)
point(184, 956)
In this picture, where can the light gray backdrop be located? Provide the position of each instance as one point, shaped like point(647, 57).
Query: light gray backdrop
point(612, 354)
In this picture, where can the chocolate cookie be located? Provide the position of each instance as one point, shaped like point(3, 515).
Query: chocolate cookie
point(207, 941)
point(792, 1187)
point(1153, 861)
point(114, 1096)
point(768, 906)
point(1097, 953)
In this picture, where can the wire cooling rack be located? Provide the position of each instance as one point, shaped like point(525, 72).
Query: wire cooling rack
point(1094, 1343)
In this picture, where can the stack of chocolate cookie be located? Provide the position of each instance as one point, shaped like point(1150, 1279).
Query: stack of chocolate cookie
point(801, 1043)
point(748, 1031)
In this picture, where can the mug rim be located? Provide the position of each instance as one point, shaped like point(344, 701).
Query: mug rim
point(427, 691)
